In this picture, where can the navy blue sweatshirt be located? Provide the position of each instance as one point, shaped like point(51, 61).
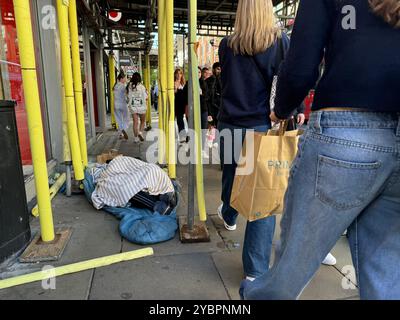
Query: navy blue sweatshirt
point(246, 85)
point(362, 65)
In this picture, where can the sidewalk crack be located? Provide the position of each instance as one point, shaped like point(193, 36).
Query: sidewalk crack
point(90, 286)
point(222, 280)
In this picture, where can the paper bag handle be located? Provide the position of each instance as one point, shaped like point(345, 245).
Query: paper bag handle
point(283, 126)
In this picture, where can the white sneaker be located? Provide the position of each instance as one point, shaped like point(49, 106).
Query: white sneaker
point(329, 260)
point(227, 226)
point(136, 140)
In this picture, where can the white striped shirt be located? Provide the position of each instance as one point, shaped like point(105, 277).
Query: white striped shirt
point(124, 177)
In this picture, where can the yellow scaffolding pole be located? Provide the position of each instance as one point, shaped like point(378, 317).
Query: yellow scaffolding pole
point(145, 85)
point(171, 89)
point(75, 267)
point(76, 65)
point(165, 90)
point(62, 12)
point(35, 125)
point(193, 69)
point(166, 125)
point(161, 136)
point(148, 87)
point(162, 58)
point(66, 147)
point(111, 67)
point(53, 192)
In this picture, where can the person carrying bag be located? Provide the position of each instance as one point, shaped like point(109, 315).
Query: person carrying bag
point(259, 193)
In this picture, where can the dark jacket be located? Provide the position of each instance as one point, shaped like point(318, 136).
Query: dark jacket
point(213, 95)
point(181, 99)
point(362, 64)
point(246, 84)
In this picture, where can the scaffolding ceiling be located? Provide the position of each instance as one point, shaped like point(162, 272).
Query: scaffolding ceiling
point(139, 17)
point(211, 13)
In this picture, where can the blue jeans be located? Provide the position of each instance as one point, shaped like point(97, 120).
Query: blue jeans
point(259, 234)
point(346, 176)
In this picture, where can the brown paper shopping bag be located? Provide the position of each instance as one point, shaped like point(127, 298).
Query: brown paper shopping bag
point(259, 192)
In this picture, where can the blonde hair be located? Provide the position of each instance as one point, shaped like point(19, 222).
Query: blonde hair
point(255, 27)
point(176, 76)
point(389, 10)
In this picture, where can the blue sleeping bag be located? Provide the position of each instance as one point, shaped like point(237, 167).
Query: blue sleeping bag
point(141, 226)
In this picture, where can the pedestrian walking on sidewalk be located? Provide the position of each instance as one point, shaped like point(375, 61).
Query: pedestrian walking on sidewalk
point(206, 125)
point(346, 174)
point(181, 103)
point(120, 106)
point(137, 97)
point(213, 93)
point(154, 96)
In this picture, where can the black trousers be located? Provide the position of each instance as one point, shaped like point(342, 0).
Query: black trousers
point(179, 113)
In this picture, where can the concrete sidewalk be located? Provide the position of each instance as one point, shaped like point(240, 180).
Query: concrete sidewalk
point(176, 271)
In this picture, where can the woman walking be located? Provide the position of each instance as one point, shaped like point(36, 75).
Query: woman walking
point(249, 63)
point(120, 106)
point(181, 102)
point(137, 96)
point(346, 175)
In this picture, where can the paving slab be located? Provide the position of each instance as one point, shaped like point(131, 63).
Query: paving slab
point(69, 287)
point(187, 277)
point(93, 240)
point(76, 209)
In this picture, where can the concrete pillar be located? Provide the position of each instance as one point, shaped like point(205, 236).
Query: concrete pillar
point(100, 89)
point(91, 132)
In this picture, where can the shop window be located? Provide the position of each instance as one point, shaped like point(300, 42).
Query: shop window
point(11, 77)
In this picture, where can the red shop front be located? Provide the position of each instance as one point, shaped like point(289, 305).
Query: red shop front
point(11, 78)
